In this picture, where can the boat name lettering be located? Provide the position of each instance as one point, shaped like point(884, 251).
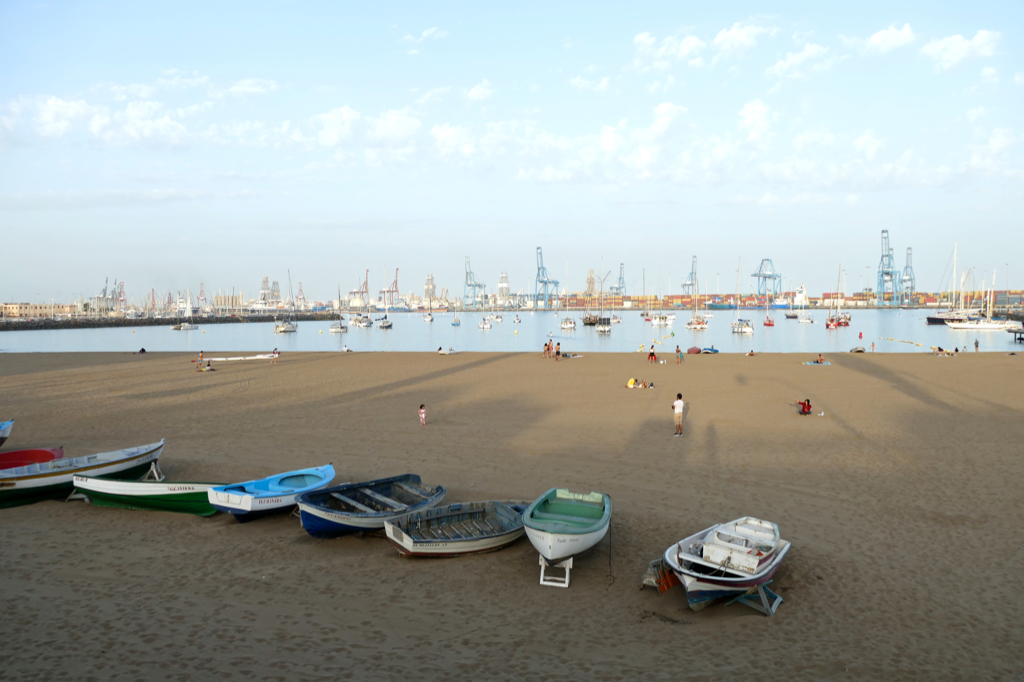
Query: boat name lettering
point(274, 500)
point(178, 488)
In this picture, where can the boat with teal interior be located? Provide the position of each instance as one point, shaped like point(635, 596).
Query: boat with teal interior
point(5, 431)
point(172, 496)
point(561, 524)
point(361, 507)
point(277, 493)
point(54, 478)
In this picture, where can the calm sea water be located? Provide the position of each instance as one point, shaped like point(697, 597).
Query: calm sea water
point(411, 333)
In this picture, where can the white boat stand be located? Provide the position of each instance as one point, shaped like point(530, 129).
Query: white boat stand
point(154, 473)
point(769, 601)
point(552, 580)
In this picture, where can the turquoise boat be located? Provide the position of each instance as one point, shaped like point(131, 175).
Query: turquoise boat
point(561, 524)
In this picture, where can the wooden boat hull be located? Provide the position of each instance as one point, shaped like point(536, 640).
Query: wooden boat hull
point(703, 589)
point(457, 529)
point(557, 546)
point(18, 486)
point(324, 518)
point(247, 502)
point(180, 497)
point(5, 431)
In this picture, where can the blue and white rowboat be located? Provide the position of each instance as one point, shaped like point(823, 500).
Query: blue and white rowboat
point(708, 563)
point(361, 507)
point(252, 499)
point(5, 431)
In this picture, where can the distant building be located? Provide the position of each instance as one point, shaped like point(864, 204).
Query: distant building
point(37, 310)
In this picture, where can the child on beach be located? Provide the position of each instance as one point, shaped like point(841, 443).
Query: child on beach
point(805, 407)
point(423, 415)
point(679, 355)
point(273, 360)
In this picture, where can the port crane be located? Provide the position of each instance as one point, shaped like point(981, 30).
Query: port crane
point(544, 285)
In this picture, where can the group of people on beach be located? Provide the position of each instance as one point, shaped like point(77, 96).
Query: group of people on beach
point(553, 350)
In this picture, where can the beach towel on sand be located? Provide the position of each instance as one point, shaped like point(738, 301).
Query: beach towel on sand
point(818, 364)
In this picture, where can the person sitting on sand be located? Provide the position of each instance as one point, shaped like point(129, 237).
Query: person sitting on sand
point(210, 368)
point(751, 353)
point(820, 360)
point(142, 351)
point(805, 407)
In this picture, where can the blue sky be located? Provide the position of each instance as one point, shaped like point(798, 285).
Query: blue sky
point(168, 146)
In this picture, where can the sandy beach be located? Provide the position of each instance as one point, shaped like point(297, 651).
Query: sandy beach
point(903, 503)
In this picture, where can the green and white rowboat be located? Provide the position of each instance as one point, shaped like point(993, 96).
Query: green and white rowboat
point(54, 479)
point(182, 497)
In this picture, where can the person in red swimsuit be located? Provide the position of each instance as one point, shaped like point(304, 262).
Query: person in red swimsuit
point(805, 406)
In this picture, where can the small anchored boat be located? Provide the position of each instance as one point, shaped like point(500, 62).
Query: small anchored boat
point(277, 493)
point(53, 478)
point(5, 431)
point(726, 560)
point(361, 507)
point(561, 524)
point(172, 496)
point(457, 529)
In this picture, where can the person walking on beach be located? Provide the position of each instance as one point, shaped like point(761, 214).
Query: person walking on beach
point(679, 355)
point(423, 415)
point(200, 356)
point(558, 351)
point(677, 414)
point(975, 345)
point(273, 359)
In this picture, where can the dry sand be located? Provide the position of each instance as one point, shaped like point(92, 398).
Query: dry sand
point(903, 504)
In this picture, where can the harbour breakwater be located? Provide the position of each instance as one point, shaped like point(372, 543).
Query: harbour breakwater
point(19, 325)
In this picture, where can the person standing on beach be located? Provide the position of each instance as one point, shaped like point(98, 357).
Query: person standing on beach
point(651, 357)
point(677, 414)
point(423, 415)
point(679, 355)
point(273, 359)
point(975, 345)
point(872, 346)
point(558, 351)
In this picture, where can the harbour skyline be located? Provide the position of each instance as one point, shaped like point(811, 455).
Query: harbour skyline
point(328, 141)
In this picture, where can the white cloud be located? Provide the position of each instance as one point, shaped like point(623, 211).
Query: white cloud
point(1019, 78)
point(662, 86)
point(81, 200)
point(336, 125)
point(650, 54)
point(432, 95)
point(480, 91)
point(754, 118)
point(889, 39)
point(584, 84)
point(853, 199)
point(252, 86)
point(393, 126)
point(950, 51)
point(793, 65)
point(55, 115)
point(194, 109)
point(736, 41)
point(432, 33)
point(976, 113)
point(812, 138)
point(868, 144)
point(453, 140)
point(989, 75)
